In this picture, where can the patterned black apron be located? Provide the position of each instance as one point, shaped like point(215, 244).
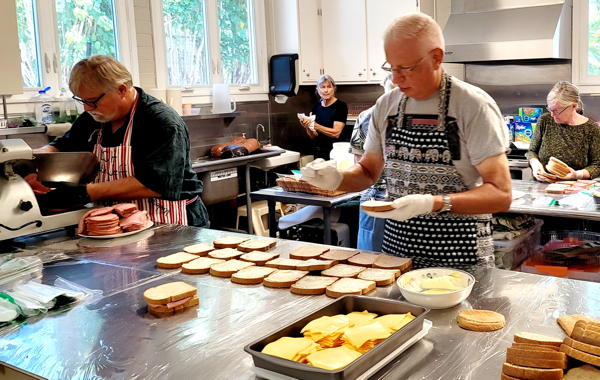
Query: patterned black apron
point(419, 154)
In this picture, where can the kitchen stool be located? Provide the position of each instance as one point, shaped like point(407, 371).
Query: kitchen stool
point(260, 209)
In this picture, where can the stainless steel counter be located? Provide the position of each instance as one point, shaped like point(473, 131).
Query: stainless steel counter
point(114, 337)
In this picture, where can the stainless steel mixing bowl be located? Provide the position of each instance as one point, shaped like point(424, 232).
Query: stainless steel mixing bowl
point(73, 167)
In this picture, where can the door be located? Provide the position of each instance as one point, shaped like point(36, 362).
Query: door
point(309, 25)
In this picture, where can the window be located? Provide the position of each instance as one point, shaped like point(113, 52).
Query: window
point(54, 35)
point(201, 42)
point(586, 45)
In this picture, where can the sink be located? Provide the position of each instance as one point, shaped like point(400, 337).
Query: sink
point(287, 157)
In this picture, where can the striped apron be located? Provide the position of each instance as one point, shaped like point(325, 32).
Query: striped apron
point(419, 154)
point(116, 163)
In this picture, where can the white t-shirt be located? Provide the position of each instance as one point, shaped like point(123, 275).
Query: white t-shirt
point(482, 131)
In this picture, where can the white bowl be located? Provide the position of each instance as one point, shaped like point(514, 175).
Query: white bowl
point(437, 300)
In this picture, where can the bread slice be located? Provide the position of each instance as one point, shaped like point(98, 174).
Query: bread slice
point(175, 260)
point(283, 278)
point(534, 347)
point(259, 257)
point(537, 359)
point(308, 252)
point(363, 259)
point(343, 270)
point(480, 320)
point(339, 255)
point(257, 245)
point(227, 268)
point(384, 261)
point(345, 286)
point(315, 264)
point(164, 311)
point(229, 241)
point(530, 373)
point(555, 188)
point(585, 372)
point(557, 167)
point(567, 322)
point(588, 348)
point(312, 285)
point(580, 355)
point(377, 206)
point(200, 249)
point(280, 263)
point(586, 332)
point(225, 253)
point(527, 337)
point(251, 275)
point(169, 292)
point(200, 265)
point(382, 277)
point(507, 377)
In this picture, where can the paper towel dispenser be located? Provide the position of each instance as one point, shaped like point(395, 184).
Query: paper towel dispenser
point(282, 74)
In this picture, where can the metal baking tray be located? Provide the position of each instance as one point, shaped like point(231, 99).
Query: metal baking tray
point(342, 305)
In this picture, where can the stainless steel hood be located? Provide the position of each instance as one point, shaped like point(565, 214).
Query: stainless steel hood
point(506, 30)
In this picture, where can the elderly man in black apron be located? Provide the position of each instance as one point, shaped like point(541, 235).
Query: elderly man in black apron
point(441, 145)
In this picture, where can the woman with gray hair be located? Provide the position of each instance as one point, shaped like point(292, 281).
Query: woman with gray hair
point(330, 118)
point(566, 134)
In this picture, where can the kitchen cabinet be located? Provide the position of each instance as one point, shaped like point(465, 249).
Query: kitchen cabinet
point(309, 21)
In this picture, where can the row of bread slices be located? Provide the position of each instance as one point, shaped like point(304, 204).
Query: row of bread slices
point(539, 357)
point(569, 187)
point(257, 267)
point(333, 342)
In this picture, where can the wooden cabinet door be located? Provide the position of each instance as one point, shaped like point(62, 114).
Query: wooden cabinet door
point(344, 40)
point(309, 25)
point(380, 14)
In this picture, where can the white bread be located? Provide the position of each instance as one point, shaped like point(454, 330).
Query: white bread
point(175, 260)
point(585, 372)
point(555, 188)
point(586, 332)
point(557, 167)
point(229, 241)
point(200, 265)
point(225, 253)
point(382, 277)
point(384, 261)
point(339, 255)
point(169, 292)
point(343, 270)
point(527, 337)
point(567, 322)
point(257, 245)
point(308, 252)
point(588, 348)
point(531, 373)
point(259, 257)
point(534, 347)
point(507, 377)
point(283, 278)
point(480, 320)
point(251, 275)
point(377, 206)
point(227, 268)
point(363, 259)
point(164, 311)
point(200, 249)
point(281, 263)
point(537, 359)
point(345, 286)
point(580, 355)
point(312, 285)
point(315, 264)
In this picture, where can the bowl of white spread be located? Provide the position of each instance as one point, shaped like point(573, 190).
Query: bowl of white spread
point(436, 288)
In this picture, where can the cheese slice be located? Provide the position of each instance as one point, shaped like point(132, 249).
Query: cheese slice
point(394, 322)
point(323, 327)
point(448, 282)
point(291, 348)
point(332, 358)
point(359, 318)
point(357, 336)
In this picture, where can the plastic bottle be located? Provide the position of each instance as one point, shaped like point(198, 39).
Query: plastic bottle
point(342, 156)
point(43, 107)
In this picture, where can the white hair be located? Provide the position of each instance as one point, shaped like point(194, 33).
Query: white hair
point(416, 26)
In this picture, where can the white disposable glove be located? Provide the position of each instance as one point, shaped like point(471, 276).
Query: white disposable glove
point(323, 174)
point(406, 207)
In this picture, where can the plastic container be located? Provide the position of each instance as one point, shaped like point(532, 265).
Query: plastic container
point(342, 156)
point(43, 107)
point(510, 253)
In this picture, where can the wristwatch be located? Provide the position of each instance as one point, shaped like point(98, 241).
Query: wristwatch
point(446, 203)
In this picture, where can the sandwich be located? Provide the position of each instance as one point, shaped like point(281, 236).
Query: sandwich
point(169, 298)
point(557, 167)
point(377, 206)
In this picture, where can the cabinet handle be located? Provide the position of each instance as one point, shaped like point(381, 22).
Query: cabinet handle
point(360, 74)
point(54, 63)
point(47, 63)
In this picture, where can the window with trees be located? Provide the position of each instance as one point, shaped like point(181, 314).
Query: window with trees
point(586, 45)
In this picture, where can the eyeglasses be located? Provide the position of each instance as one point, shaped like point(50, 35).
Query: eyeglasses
point(90, 103)
point(554, 112)
point(404, 70)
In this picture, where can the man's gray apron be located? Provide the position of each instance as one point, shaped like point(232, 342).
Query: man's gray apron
point(419, 155)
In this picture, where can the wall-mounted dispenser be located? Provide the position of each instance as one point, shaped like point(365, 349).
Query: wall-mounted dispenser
point(282, 76)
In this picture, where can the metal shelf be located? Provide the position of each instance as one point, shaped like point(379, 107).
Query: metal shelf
point(22, 130)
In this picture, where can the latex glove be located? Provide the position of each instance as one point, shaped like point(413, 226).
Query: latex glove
point(64, 195)
point(406, 207)
point(323, 174)
point(540, 173)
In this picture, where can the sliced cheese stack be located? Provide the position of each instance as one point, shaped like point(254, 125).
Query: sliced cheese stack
point(327, 331)
point(534, 356)
point(296, 349)
point(363, 338)
point(333, 358)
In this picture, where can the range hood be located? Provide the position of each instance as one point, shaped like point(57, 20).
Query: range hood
point(507, 30)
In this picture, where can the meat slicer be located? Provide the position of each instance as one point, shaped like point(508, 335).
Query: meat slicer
point(20, 212)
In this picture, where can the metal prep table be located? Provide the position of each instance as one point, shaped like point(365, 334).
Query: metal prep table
point(113, 337)
point(277, 194)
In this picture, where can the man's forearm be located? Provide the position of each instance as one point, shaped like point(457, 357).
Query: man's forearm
point(484, 199)
point(122, 189)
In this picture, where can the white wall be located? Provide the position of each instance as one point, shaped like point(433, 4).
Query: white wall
point(145, 43)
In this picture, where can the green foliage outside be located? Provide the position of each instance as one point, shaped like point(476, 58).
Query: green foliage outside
point(594, 38)
point(28, 44)
point(234, 41)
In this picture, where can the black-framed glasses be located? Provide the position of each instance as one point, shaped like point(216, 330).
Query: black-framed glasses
point(554, 112)
point(89, 103)
point(404, 70)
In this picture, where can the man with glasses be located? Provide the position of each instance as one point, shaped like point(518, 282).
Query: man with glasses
point(142, 144)
point(441, 145)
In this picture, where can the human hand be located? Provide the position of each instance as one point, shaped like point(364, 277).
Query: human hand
point(322, 174)
point(539, 173)
point(406, 207)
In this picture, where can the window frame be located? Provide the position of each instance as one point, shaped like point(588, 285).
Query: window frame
point(201, 94)
point(588, 84)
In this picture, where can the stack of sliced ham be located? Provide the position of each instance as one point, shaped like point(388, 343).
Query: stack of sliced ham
point(122, 217)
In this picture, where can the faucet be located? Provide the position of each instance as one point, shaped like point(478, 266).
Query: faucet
point(259, 126)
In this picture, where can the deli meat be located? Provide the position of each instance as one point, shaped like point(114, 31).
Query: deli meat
point(110, 220)
point(35, 184)
point(125, 209)
point(136, 221)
